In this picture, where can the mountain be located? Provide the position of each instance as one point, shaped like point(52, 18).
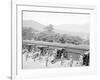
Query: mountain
point(78, 28)
point(33, 24)
point(81, 30)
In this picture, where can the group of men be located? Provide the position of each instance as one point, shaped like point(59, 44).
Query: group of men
point(60, 54)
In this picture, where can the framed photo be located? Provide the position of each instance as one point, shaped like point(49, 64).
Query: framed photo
point(51, 40)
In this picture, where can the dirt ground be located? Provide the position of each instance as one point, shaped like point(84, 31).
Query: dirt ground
point(31, 64)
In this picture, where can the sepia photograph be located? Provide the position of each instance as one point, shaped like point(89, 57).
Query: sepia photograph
point(55, 39)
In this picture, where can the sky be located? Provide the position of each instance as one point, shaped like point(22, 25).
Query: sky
point(58, 19)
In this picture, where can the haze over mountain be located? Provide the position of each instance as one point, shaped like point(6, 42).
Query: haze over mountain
point(81, 30)
point(33, 24)
point(72, 29)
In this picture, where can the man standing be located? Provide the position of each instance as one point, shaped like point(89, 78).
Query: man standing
point(86, 59)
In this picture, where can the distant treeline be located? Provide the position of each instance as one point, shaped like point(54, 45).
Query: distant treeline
point(48, 35)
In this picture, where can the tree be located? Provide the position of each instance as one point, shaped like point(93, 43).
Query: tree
point(47, 34)
point(49, 28)
point(74, 40)
point(27, 33)
point(87, 42)
point(62, 40)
